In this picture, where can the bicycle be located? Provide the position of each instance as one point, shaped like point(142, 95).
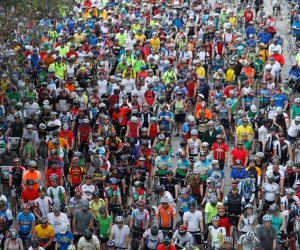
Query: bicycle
point(136, 242)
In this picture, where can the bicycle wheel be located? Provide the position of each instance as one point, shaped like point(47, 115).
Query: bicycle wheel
point(288, 28)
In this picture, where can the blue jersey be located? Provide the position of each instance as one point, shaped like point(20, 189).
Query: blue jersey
point(185, 203)
point(279, 100)
point(64, 240)
point(238, 173)
point(26, 221)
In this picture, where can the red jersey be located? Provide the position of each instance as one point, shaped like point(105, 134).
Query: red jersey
point(72, 53)
point(225, 222)
point(162, 247)
point(149, 97)
point(278, 58)
point(84, 133)
point(153, 131)
point(190, 88)
point(239, 154)
point(248, 14)
point(219, 150)
point(29, 196)
point(121, 116)
point(68, 135)
point(133, 129)
point(57, 172)
point(76, 175)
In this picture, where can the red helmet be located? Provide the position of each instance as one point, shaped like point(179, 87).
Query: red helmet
point(78, 191)
point(221, 207)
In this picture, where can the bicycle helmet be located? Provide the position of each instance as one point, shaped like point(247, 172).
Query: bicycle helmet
point(270, 176)
point(53, 177)
point(267, 217)
point(71, 247)
point(162, 150)
point(154, 230)
point(87, 234)
point(42, 126)
point(205, 144)
point(119, 219)
point(182, 229)
point(214, 162)
point(213, 199)
point(2, 203)
point(184, 191)
point(248, 206)
point(167, 241)
point(290, 163)
point(45, 220)
point(25, 206)
point(294, 210)
point(161, 137)
point(164, 199)
point(111, 243)
point(248, 182)
point(33, 164)
point(210, 180)
point(260, 154)
point(221, 207)
point(289, 191)
point(102, 210)
point(77, 191)
point(112, 180)
point(215, 218)
point(13, 233)
point(192, 203)
point(17, 160)
point(77, 154)
point(189, 246)
point(228, 239)
point(144, 129)
point(194, 132)
point(56, 208)
point(273, 208)
point(96, 194)
point(84, 204)
point(34, 243)
point(250, 235)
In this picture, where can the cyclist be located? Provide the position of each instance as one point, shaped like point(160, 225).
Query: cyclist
point(4, 233)
point(15, 181)
point(211, 209)
point(88, 188)
point(33, 174)
point(151, 238)
point(6, 214)
point(13, 242)
point(88, 241)
point(166, 245)
point(247, 220)
point(216, 234)
point(181, 237)
point(120, 233)
point(247, 241)
point(83, 219)
point(193, 219)
point(224, 219)
point(185, 198)
point(234, 203)
point(266, 233)
point(247, 190)
point(270, 192)
point(254, 173)
point(218, 175)
point(29, 195)
point(165, 215)
point(289, 199)
point(63, 238)
point(35, 245)
point(105, 225)
point(25, 223)
point(76, 175)
point(56, 218)
point(139, 221)
point(227, 243)
point(57, 193)
point(171, 184)
point(44, 234)
point(112, 195)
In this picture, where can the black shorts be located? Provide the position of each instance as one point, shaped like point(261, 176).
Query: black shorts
point(234, 220)
point(180, 117)
point(137, 233)
point(225, 122)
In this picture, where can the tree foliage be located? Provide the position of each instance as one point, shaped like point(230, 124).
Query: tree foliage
point(21, 15)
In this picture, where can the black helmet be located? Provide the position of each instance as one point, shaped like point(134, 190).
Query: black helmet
point(35, 243)
point(192, 203)
point(167, 241)
point(183, 143)
point(87, 234)
point(154, 230)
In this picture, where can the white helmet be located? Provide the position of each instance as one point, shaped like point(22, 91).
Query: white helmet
point(119, 219)
point(134, 119)
point(164, 199)
point(63, 228)
point(268, 67)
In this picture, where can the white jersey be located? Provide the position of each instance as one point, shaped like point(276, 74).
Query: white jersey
point(151, 240)
point(181, 240)
point(285, 202)
point(193, 220)
point(56, 221)
point(56, 194)
point(216, 234)
point(120, 235)
point(270, 190)
point(293, 129)
point(87, 191)
point(43, 205)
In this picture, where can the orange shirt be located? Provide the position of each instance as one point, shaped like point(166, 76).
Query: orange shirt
point(62, 142)
point(208, 114)
point(47, 60)
point(166, 215)
point(70, 87)
point(67, 135)
point(34, 175)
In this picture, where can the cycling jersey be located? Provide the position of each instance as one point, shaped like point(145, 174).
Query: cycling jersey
point(112, 195)
point(64, 240)
point(140, 218)
point(217, 235)
point(56, 194)
point(151, 241)
point(25, 222)
point(165, 215)
point(16, 175)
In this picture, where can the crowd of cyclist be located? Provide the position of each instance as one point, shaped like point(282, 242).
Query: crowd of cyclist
point(91, 110)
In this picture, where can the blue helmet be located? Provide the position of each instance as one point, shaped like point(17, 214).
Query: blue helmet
point(294, 210)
